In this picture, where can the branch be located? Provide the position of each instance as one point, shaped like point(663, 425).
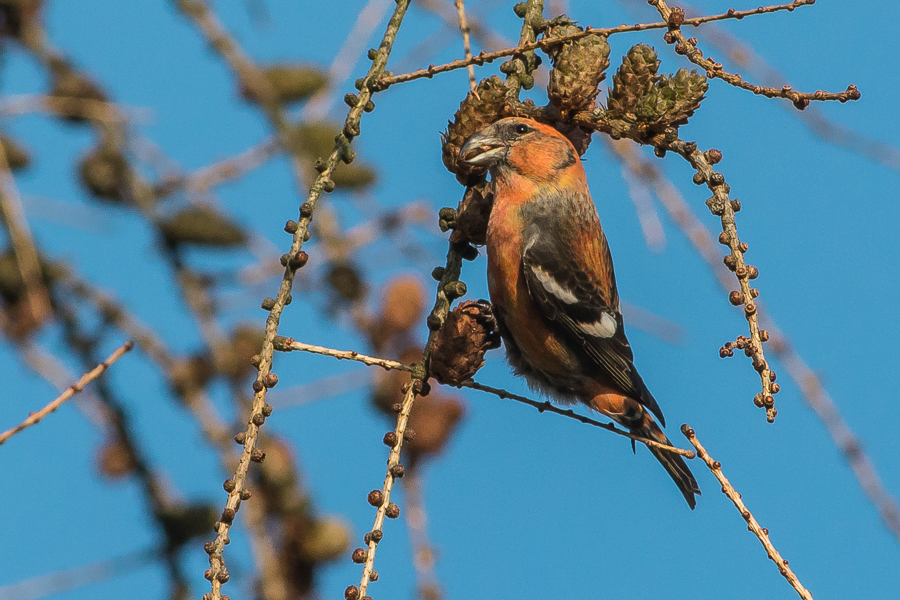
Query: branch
point(547, 406)
point(674, 17)
point(723, 207)
point(480, 59)
point(804, 377)
point(198, 12)
point(288, 344)
point(35, 418)
point(760, 532)
point(744, 56)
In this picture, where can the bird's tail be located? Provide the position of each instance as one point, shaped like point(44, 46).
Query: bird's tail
point(673, 463)
point(629, 413)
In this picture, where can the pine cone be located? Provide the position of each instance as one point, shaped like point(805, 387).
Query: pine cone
point(633, 80)
point(203, 227)
point(688, 89)
point(402, 308)
point(578, 68)
point(481, 108)
point(433, 419)
point(642, 104)
point(469, 331)
point(104, 172)
point(291, 82)
point(472, 215)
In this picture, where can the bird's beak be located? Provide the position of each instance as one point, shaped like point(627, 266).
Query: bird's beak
point(483, 149)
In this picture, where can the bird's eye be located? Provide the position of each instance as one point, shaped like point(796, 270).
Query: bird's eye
point(522, 129)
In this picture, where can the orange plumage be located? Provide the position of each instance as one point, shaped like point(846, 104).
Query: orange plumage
point(552, 284)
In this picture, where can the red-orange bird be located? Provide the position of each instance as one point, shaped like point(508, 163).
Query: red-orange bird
point(552, 285)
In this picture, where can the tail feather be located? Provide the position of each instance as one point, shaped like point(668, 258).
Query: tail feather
point(673, 463)
point(631, 414)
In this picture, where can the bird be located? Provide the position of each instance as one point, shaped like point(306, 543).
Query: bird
point(552, 284)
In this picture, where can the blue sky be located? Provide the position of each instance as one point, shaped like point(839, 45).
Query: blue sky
point(521, 504)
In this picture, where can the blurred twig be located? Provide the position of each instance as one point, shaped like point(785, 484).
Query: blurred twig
point(35, 418)
point(763, 534)
point(228, 169)
point(850, 446)
point(27, 257)
point(319, 389)
point(318, 107)
point(94, 110)
point(646, 211)
point(57, 583)
point(467, 49)
point(417, 523)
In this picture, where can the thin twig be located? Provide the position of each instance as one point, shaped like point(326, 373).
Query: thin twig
point(761, 533)
point(287, 344)
point(35, 418)
point(488, 57)
point(723, 207)
point(46, 365)
point(688, 47)
point(547, 406)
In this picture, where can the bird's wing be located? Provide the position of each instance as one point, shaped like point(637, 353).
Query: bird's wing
point(572, 282)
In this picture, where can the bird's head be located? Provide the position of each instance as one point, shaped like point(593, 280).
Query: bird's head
point(524, 146)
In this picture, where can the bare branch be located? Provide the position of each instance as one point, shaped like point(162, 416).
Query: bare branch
point(761, 533)
point(674, 17)
point(723, 207)
point(488, 57)
point(287, 344)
